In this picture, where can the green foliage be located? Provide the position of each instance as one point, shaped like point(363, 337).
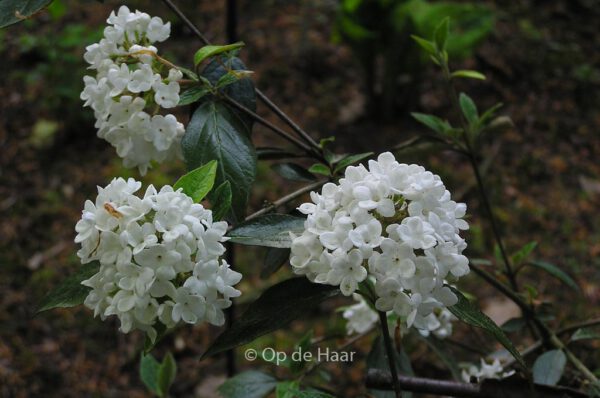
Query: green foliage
point(585, 334)
point(70, 292)
point(198, 183)
point(468, 313)
point(210, 51)
point(13, 11)
point(468, 108)
point(275, 258)
point(350, 160)
point(549, 367)
point(555, 272)
point(158, 377)
point(468, 74)
point(377, 359)
point(215, 132)
point(291, 389)
point(513, 325)
point(221, 201)
point(193, 94)
point(271, 230)
point(319, 168)
point(249, 384)
point(293, 172)
point(522, 254)
point(276, 307)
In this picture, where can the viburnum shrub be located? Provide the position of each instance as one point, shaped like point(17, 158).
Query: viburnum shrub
point(386, 233)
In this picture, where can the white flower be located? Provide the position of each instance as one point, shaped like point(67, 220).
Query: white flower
point(147, 248)
point(360, 316)
point(129, 85)
point(485, 371)
point(400, 222)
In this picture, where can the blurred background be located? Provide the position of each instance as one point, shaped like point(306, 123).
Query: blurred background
point(343, 68)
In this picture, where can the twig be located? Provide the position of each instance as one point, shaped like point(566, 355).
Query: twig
point(285, 199)
point(491, 388)
point(303, 134)
point(390, 353)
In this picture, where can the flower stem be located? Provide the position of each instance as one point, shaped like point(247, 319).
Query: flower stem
point(390, 353)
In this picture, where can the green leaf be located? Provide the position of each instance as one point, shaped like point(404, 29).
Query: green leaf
point(215, 132)
point(319, 168)
point(70, 292)
point(513, 325)
point(242, 90)
point(221, 201)
point(166, 374)
point(377, 359)
point(210, 51)
point(271, 230)
point(275, 308)
point(189, 73)
point(469, 314)
point(13, 11)
point(433, 122)
point(468, 107)
point(524, 252)
point(468, 74)
point(556, 272)
point(351, 159)
point(293, 172)
point(149, 368)
point(548, 367)
point(268, 153)
point(249, 384)
point(441, 33)
point(197, 183)
point(274, 259)
point(426, 45)
point(489, 114)
point(291, 389)
point(585, 334)
point(192, 95)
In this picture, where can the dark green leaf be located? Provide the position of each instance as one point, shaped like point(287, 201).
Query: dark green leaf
point(271, 230)
point(217, 133)
point(13, 11)
point(161, 331)
point(210, 51)
point(489, 114)
point(351, 159)
point(585, 334)
point(468, 313)
point(513, 325)
point(293, 172)
point(70, 292)
point(469, 109)
point(241, 91)
point(192, 95)
point(279, 305)
point(319, 168)
point(548, 367)
point(291, 389)
point(267, 153)
point(441, 33)
point(197, 183)
point(555, 272)
point(149, 368)
point(221, 201)
point(274, 259)
point(249, 384)
point(468, 74)
point(426, 45)
point(524, 252)
point(377, 359)
point(433, 122)
point(166, 374)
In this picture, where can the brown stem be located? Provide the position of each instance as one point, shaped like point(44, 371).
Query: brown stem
point(390, 353)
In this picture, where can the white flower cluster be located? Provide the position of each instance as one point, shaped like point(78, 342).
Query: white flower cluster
point(360, 316)
point(485, 371)
point(398, 221)
point(131, 85)
point(439, 324)
point(159, 258)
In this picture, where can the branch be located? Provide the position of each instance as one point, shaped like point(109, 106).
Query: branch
point(490, 388)
point(303, 134)
point(288, 198)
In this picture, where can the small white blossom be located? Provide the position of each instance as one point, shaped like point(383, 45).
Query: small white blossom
point(131, 85)
point(485, 371)
point(156, 265)
point(394, 222)
point(360, 316)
